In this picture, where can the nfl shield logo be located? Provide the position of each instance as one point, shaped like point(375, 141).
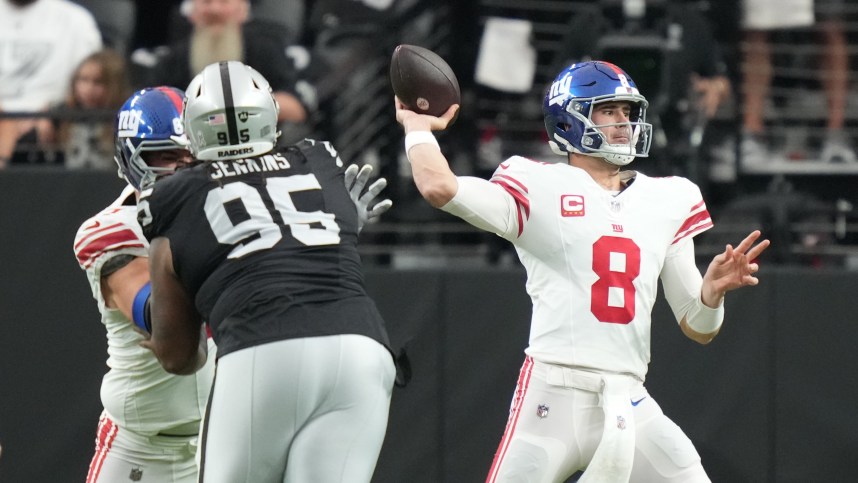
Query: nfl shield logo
point(542, 411)
point(136, 474)
point(621, 422)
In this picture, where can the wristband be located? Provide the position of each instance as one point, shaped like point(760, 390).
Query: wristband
point(140, 306)
point(419, 137)
point(703, 319)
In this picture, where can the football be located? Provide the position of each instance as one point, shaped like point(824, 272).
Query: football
point(423, 81)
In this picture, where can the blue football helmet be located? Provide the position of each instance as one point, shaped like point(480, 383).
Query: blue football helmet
point(568, 108)
point(150, 120)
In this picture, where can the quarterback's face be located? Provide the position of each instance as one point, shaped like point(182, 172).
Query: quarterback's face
point(614, 116)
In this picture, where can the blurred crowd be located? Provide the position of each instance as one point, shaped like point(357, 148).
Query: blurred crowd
point(735, 86)
point(66, 66)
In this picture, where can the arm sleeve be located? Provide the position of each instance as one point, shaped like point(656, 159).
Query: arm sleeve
point(681, 278)
point(485, 205)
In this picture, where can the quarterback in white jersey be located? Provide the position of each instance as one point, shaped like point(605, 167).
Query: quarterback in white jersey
point(595, 313)
point(151, 421)
point(595, 241)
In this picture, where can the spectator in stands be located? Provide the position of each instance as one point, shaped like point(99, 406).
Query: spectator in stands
point(761, 18)
point(98, 89)
point(43, 42)
point(221, 30)
point(116, 20)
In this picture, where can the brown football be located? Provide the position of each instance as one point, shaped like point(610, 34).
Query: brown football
point(423, 81)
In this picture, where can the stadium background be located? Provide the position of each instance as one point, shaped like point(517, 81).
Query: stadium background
point(771, 400)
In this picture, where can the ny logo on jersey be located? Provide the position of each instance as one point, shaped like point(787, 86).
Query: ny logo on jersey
point(617, 227)
point(571, 205)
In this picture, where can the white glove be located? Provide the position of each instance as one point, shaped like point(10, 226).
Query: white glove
point(355, 181)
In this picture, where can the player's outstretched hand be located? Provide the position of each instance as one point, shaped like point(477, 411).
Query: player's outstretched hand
point(413, 121)
point(733, 268)
point(355, 180)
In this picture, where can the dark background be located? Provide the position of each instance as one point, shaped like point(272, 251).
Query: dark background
point(770, 400)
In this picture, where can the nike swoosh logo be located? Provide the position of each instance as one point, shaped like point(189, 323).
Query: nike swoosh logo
point(635, 403)
point(95, 224)
point(504, 166)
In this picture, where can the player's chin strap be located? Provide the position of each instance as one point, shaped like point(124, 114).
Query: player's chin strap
point(612, 461)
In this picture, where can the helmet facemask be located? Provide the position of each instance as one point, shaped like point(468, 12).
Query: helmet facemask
point(571, 102)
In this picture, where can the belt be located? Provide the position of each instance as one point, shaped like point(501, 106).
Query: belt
point(575, 378)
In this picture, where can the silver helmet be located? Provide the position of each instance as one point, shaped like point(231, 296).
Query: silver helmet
point(230, 113)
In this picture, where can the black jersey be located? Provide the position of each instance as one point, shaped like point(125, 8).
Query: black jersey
point(266, 245)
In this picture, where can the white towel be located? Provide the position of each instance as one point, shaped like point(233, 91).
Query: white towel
point(612, 462)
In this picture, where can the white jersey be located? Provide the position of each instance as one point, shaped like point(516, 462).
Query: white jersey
point(593, 258)
point(137, 393)
point(41, 45)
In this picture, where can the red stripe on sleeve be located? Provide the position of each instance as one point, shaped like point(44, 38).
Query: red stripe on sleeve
point(512, 180)
point(521, 202)
point(124, 238)
point(697, 222)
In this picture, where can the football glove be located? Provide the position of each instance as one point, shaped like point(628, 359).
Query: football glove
point(355, 180)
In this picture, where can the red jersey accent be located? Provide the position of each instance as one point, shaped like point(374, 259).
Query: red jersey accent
point(696, 222)
point(521, 201)
point(89, 248)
